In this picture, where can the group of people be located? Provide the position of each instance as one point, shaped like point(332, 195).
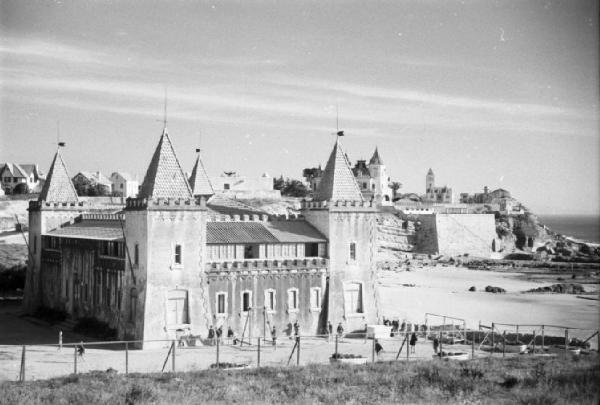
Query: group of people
point(398, 327)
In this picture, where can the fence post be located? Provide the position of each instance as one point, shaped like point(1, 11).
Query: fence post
point(298, 352)
point(542, 338)
point(75, 360)
point(533, 351)
point(473, 346)
point(336, 344)
point(258, 353)
point(566, 341)
point(22, 373)
point(173, 359)
point(407, 346)
point(493, 343)
point(373, 350)
point(218, 353)
point(503, 343)
point(126, 358)
point(441, 344)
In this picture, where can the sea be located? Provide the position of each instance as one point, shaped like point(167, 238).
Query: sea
point(580, 227)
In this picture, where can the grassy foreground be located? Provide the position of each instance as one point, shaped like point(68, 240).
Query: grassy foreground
point(519, 380)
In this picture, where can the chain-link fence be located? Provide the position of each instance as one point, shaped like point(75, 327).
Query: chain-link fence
point(190, 354)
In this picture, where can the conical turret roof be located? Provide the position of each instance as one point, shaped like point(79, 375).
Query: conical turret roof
point(199, 181)
point(338, 182)
point(376, 159)
point(58, 186)
point(430, 171)
point(164, 177)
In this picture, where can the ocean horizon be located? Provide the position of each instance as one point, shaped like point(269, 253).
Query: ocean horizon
point(581, 227)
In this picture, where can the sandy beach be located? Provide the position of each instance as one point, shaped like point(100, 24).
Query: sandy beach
point(444, 291)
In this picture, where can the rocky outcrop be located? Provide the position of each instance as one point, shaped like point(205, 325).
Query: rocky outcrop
point(562, 288)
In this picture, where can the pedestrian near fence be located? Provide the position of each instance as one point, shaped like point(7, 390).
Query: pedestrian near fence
point(413, 342)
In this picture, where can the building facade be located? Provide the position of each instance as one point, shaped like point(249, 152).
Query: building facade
point(444, 195)
point(20, 178)
point(123, 185)
point(169, 264)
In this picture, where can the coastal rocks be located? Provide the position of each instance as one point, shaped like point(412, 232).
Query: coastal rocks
point(495, 290)
point(562, 288)
point(472, 289)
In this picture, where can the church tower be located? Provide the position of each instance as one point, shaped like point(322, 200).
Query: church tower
point(165, 235)
point(382, 192)
point(56, 205)
point(429, 182)
point(340, 212)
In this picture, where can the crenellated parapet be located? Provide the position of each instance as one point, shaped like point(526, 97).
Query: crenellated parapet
point(273, 266)
point(88, 216)
point(35, 205)
point(256, 218)
point(139, 204)
point(339, 205)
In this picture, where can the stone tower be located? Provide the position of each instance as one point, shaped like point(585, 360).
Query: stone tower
point(382, 191)
point(429, 181)
point(339, 211)
point(165, 235)
point(199, 181)
point(56, 205)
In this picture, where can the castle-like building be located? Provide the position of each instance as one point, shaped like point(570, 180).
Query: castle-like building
point(372, 179)
point(170, 262)
point(444, 194)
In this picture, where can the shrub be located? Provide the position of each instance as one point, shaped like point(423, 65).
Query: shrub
point(50, 315)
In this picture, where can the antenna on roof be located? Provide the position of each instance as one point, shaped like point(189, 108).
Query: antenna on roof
point(337, 117)
point(165, 114)
point(199, 141)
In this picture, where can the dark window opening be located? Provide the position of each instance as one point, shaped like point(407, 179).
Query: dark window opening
point(353, 251)
point(246, 302)
point(251, 252)
point(311, 249)
point(226, 186)
point(177, 258)
point(220, 303)
point(136, 254)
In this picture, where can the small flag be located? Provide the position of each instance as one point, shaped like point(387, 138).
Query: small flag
point(197, 150)
point(340, 133)
point(61, 144)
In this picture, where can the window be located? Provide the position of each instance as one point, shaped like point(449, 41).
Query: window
point(270, 300)
point(246, 301)
point(293, 299)
point(221, 303)
point(177, 307)
point(352, 251)
point(353, 298)
point(177, 259)
point(315, 298)
point(311, 249)
point(251, 251)
point(136, 254)
point(34, 244)
point(226, 186)
point(364, 185)
point(121, 186)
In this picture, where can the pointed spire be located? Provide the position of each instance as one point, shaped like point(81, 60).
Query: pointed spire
point(430, 172)
point(376, 159)
point(58, 186)
point(338, 182)
point(199, 181)
point(164, 177)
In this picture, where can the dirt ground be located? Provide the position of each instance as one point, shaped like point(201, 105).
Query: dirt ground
point(405, 296)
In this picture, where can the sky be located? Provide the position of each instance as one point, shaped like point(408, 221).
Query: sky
point(496, 93)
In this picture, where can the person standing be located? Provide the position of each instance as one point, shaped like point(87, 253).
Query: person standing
point(340, 330)
point(436, 344)
point(229, 334)
point(378, 348)
point(211, 335)
point(220, 334)
point(274, 337)
point(296, 329)
point(59, 340)
point(329, 331)
point(413, 342)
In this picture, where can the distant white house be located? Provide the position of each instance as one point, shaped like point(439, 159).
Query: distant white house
point(27, 177)
point(238, 186)
point(124, 184)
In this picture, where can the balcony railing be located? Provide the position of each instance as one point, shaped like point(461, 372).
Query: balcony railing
point(310, 264)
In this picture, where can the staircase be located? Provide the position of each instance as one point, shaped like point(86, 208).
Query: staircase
point(393, 242)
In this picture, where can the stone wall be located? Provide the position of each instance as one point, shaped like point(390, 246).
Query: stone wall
point(456, 234)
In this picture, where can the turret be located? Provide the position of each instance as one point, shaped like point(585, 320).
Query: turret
point(429, 181)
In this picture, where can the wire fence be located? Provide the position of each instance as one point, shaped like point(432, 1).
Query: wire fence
point(27, 362)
